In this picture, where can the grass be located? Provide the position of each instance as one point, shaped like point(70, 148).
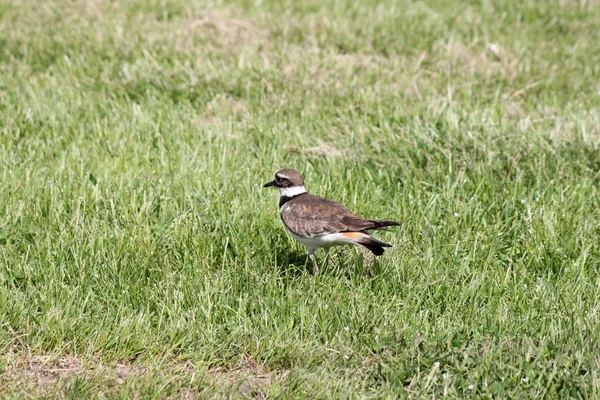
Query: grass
point(140, 257)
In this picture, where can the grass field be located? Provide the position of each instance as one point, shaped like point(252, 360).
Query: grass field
point(141, 258)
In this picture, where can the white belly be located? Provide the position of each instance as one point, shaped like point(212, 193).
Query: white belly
point(323, 241)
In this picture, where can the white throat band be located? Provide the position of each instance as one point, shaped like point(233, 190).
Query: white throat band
point(291, 191)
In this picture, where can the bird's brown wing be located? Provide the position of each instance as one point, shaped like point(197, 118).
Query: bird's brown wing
point(310, 215)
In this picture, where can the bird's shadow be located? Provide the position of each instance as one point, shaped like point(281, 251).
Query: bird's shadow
point(341, 262)
point(293, 263)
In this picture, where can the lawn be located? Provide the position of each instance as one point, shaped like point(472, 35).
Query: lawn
point(140, 256)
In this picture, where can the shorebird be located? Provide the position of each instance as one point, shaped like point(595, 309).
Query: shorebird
point(317, 222)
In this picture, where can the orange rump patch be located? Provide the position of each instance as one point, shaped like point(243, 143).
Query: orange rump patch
point(356, 236)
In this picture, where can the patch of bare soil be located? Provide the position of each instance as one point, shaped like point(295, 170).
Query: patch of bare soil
point(248, 377)
point(42, 371)
point(44, 374)
point(47, 375)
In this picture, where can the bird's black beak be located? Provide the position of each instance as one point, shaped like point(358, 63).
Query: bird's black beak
point(272, 183)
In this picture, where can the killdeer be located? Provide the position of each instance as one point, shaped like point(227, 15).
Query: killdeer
point(317, 222)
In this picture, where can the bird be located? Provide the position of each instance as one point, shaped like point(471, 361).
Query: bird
point(317, 222)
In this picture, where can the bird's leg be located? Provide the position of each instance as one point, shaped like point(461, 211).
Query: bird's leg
point(339, 254)
point(368, 260)
point(371, 259)
point(311, 254)
point(326, 249)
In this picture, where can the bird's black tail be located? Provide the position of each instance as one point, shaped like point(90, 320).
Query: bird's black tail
point(383, 224)
point(374, 245)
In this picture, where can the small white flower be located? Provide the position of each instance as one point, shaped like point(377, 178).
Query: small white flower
point(494, 48)
point(346, 329)
point(523, 201)
point(455, 214)
point(470, 387)
point(525, 380)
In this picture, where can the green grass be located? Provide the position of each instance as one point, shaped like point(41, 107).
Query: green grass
point(140, 256)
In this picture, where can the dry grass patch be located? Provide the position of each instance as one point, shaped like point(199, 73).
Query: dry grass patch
point(322, 150)
point(235, 32)
point(45, 374)
point(220, 112)
point(488, 60)
point(249, 377)
point(42, 373)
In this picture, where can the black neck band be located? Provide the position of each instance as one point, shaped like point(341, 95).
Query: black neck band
point(285, 199)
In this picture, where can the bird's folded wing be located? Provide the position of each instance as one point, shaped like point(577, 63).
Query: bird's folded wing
point(315, 215)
